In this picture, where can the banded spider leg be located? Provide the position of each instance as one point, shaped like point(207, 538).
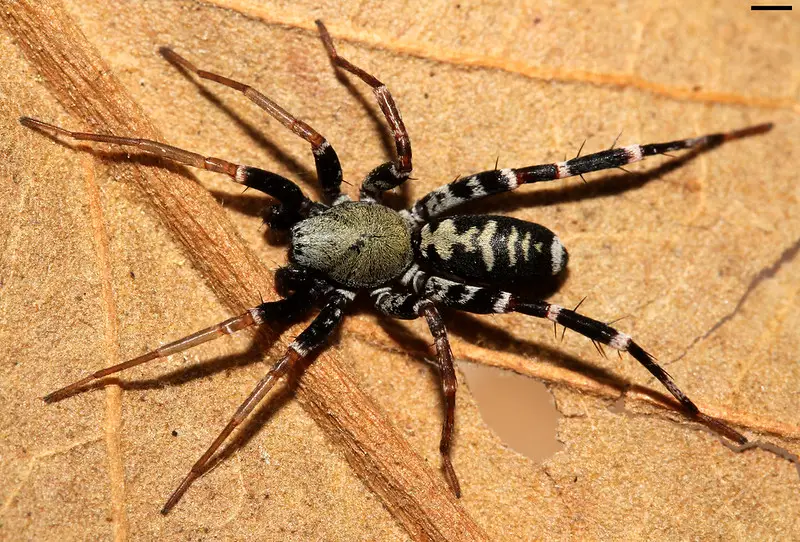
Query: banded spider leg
point(294, 203)
point(409, 307)
point(482, 300)
point(391, 174)
point(281, 311)
point(329, 170)
point(496, 181)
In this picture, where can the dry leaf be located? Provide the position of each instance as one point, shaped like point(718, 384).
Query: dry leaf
point(702, 258)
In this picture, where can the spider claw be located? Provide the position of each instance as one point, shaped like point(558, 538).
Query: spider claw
point(451, 477)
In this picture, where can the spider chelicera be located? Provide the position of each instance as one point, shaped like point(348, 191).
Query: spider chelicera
point(407, 261)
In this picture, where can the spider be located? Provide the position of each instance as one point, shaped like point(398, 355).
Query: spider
point(408, 262)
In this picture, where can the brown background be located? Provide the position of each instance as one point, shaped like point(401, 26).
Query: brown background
point(702, 259)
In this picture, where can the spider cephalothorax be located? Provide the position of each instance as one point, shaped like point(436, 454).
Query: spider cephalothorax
point(357, 244)
point(407, 261)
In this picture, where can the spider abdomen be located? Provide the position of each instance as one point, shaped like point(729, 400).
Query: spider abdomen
point(357, 244)
point(492, 249)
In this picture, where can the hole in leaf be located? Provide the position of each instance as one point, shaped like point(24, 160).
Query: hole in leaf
point(519, 409)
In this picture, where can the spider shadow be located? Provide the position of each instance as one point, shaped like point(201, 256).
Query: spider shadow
point(264, 339)
point(302, 172)
point(469, 328)
point(605, 186)
point(256, 205)
point(397, 198)
point(281, 394)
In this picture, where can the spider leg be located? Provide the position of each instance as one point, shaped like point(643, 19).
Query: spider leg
point(309, 340)
point(409, 307)
point(391, 174)
point(496, 181)
point(284, 190)
point(295, 279)
point(482, 300)
point(329, 170)
point(284, 310)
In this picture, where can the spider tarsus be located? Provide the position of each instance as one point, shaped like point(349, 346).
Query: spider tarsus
point(66, 391)
point(721, 428)
point(52, 397)
point(175, 59)
point(451, 477)
point(178, 493)
point(40, 126)
point(326, 39)
point(749, 131)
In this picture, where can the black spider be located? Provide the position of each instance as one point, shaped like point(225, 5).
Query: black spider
point(407, 261)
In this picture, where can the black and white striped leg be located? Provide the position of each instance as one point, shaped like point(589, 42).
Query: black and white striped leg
point(329, 170)
point(409, 307)
point(485, 300)
point(391, 174)
point(496, 181)
point(314, 336)
point(402, 305)
point(280, 188)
